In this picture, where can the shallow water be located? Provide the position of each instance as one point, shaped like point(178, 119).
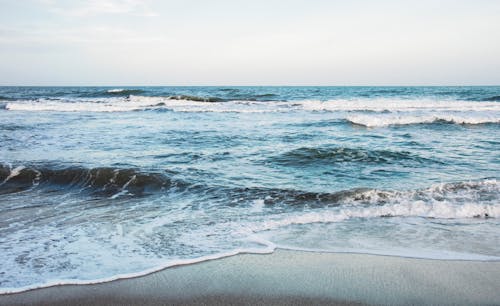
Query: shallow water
point(99, 182)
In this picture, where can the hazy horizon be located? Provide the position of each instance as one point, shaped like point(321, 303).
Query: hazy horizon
point(258, 43)
point(249, 86)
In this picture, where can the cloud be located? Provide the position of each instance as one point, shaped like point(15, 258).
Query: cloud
point(85, 8)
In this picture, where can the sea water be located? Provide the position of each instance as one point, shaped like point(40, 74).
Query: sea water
point(98, 183)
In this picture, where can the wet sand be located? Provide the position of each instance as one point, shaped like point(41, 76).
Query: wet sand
point(290, 278)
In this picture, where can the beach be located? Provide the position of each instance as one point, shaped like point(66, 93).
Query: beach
point(290, 278)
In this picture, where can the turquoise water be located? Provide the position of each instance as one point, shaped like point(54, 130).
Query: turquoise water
point(101, 182)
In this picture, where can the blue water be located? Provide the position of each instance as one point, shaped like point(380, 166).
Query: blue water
point(103, 182)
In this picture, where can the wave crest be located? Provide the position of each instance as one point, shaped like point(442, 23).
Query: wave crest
point(331, 155)
point(196, 98)
point(382, 112)
point(492, 98)
point(476, 199)
point(101, 180)
point(380, 121)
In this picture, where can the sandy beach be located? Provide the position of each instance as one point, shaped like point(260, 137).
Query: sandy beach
point(290, 278)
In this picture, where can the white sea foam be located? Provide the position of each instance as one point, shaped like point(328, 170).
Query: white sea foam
point(402, 105)
point(79, 105)
point(258, 206)
point(405, 119)
point(13, 173)
point(116, 90)
point(268, 248)
point(442, 210)
point(443, 201)
point(136, 102)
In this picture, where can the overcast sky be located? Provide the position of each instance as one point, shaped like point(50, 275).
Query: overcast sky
point(253, 42)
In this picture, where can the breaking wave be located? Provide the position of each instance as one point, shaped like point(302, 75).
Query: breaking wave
point(401, 111)
point(387, 120)
point(108, 181)
point(399, 105)
point(108, 93)
point(123, 92)
point(483, 195)
point(196, 99)
point(103, 180)
point(459, 200)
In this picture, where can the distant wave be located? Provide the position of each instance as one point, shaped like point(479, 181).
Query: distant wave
point(13, 127)
point(381, 105)
point(103, 180)
point(4, 98)
point(265, 95)
point(124, 92)
point(331, 155)
point(259, 97)
point(143, 103)
point(125, 101)
point(115, 92)
point(493, 98)
point(380, 121)
point(196, 98)
point(118, 104)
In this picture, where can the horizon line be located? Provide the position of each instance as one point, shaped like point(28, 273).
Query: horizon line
point(227, 85)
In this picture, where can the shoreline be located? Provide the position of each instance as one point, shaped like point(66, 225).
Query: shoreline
point(287, 277)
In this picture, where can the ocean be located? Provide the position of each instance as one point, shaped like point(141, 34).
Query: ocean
point(100, 183)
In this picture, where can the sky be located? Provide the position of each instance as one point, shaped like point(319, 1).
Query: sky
point(252, 42)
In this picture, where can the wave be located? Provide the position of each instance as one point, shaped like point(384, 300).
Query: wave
point(112, 181)
point(4, 98)
point(126, 101)
point(124, 92)
point(476, 199)
point(398, 105)
point(102, 180)
point(492, 98)
point(252, 98)
point(118, 104)
point(441, 210)
point(196, 98)
point(124, 104)
point(265, 95)
point(331, 155)
point(115, 92)
point(468, 199)
point(438, 210)
point(13, 127)
point(387, 120)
